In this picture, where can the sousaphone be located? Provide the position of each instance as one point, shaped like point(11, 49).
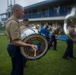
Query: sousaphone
point(72, 17)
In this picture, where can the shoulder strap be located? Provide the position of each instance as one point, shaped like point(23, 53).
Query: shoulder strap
point(9, 28)
point(10, 20)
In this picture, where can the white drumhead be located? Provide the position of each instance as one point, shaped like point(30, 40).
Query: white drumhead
point(28, 31)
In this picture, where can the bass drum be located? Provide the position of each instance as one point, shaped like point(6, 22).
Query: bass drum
point(28, 31)
point(33, 38)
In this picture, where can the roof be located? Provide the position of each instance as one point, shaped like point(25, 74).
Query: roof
point(50, 2)
point(4, 13)
point(47, 2)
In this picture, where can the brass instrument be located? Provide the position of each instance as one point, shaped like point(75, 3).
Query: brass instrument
point(71, 17)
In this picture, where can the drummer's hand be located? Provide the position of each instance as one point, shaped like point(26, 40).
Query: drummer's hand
point(34, 47)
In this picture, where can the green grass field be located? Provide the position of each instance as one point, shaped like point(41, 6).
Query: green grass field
point(2, 31)
point(50, 64)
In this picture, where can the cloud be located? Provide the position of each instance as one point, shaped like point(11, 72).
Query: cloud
point(3, 6)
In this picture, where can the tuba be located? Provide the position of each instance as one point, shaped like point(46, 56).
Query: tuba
point(72, 17)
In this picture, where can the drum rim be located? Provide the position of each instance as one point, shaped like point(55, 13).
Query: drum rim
point(29, 28)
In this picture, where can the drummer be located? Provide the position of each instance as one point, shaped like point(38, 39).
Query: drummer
point(25, 24)
point(13, 34)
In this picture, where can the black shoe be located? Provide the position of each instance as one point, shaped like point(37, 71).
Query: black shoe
point(73, 57)
point(65, 58)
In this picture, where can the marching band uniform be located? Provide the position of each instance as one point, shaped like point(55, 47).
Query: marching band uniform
point(44, 31)
point(69, 48)
point(22, 27)
point(54, 37)
point(13, 33)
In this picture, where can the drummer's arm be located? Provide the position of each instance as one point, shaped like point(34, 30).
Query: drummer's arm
point(20, 43)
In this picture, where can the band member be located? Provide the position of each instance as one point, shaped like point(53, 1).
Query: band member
point(25, 24)
point(37, 26)
point(13, 34)
point(69, 49)
point(46, 31)
point(55, 36)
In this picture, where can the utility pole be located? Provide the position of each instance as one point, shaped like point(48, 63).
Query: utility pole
point(10, 4)
point(10, 7)
point(14, 2)
point(7, 8)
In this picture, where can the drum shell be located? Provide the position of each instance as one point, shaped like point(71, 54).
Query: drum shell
point(28, 31)
point(38, 40)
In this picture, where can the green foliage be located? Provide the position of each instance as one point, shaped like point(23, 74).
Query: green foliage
point(50, 64)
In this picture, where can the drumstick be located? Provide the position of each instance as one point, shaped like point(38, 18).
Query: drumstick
point(35, 53)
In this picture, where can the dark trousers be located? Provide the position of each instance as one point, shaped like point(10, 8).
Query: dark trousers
point(17, 59)
point(69, 49)
point(53, 39)
point(49, 42)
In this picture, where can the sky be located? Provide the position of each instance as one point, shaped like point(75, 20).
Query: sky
point(3, 3)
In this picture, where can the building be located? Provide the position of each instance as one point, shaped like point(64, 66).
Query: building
point(51, 11)
point(48, 10)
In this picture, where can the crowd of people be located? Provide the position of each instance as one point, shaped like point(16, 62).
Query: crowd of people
point(13, 30)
